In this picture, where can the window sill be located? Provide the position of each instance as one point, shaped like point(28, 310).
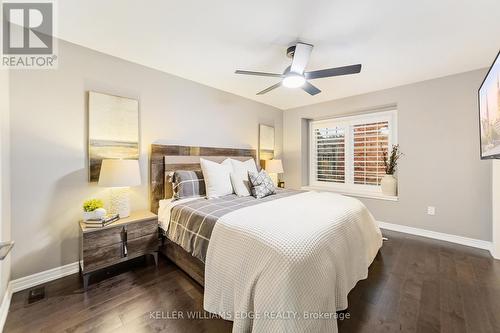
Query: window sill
point(368, 195)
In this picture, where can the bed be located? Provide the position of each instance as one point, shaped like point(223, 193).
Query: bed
point(272, 264)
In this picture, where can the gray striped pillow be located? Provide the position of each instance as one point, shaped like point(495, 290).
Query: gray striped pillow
point(188, 184)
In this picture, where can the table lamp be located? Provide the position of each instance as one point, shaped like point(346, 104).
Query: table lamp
point(120, 175)
point(273, 168)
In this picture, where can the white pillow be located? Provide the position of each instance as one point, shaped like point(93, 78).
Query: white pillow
point(239, 176)
point(240, 186)
point(217, 178)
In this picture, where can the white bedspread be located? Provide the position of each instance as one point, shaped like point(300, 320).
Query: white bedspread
point(271, 266)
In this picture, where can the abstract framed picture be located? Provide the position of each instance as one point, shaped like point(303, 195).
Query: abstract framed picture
point(489, 112)
point(113, 130)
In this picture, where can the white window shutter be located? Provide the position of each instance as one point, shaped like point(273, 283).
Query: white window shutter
point(370, 140)
point(347, 153)
point(329, 154)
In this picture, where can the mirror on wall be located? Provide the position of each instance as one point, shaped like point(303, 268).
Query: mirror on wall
point(266, 142)
point(113, 130)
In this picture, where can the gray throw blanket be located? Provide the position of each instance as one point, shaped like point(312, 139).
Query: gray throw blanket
point(191, 223)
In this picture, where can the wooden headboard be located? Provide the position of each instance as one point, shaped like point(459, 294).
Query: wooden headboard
point(167, 158)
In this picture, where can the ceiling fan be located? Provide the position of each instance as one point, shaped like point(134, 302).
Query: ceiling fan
point(294, 75)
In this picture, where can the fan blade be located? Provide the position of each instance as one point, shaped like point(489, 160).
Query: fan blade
point(269, 89)
point(353, 69)
point(300, 57)
point(258, 73)
point(310, 89)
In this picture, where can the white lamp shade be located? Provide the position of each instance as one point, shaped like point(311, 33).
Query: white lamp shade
point(119, 173)
point(273, 166)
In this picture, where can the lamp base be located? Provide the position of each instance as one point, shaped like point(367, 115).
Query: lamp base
point(120, 202)
point(274, 178)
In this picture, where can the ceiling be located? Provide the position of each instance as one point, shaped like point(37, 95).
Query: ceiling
point(398, 42)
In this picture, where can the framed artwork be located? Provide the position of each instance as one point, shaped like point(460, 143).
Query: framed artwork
point(489, 112)
point(113, 130)
point(266, 142)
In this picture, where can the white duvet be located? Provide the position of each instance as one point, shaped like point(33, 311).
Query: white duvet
point(287, 265)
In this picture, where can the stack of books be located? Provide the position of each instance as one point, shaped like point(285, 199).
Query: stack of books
point(108, 219)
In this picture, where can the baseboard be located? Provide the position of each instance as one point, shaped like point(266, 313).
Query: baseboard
point(31, 281)
point(495, 254)
point(477, 243)
point(4, 308)
point(45, 276)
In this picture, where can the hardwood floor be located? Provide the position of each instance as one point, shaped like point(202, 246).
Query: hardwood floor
point(414, 285)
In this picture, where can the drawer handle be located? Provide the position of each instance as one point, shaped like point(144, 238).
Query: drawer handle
point(124, 240)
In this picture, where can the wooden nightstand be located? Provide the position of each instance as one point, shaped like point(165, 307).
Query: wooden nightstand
point(125, 239)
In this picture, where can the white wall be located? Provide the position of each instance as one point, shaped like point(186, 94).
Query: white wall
point(5, 222)
point(49, 140)
point(438, 132)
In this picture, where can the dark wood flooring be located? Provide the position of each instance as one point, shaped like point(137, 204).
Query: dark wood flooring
point(414, 285)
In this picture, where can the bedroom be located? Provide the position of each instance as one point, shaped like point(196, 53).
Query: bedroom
point(171, 68)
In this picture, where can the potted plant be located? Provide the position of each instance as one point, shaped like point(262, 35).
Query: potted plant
point(389, 183)
point(93, 210)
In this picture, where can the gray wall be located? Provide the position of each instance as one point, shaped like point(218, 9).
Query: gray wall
point(48, 140)
point(5, 222)
point(438, 132)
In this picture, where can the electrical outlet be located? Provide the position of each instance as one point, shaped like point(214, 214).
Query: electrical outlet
point(431, 210)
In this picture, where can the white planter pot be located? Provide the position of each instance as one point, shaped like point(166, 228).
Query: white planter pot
point(89, 215)
point(100, 213)
point(97, 214)
point(389, 185)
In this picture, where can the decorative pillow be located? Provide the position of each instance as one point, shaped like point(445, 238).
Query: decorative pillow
point(242, 167)
point(241, 186)
point(262, 184)
point(217, 179)
point(188, 184)
point(239, 176)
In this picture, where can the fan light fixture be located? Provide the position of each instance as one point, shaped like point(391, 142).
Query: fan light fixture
point(295, 76)
point(294, 81)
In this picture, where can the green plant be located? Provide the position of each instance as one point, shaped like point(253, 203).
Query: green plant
point(92, 204)
point(391, 162)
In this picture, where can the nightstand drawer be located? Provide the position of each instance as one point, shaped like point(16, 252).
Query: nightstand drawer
point(104, 237)
point(142, 245)
point(102, 257)
point(137, 230)
point(127, 238)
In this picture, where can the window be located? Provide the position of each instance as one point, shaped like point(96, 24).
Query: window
point(347, 153)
